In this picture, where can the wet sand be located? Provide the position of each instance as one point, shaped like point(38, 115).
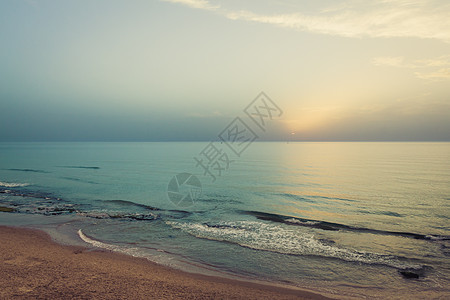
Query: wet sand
point(33, 266)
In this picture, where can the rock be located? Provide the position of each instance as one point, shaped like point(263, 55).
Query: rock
point(410, 274)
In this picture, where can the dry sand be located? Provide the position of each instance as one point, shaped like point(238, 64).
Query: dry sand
point(33, 266)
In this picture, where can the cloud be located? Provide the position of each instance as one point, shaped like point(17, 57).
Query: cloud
point(441, 61)
point(354, 18)
point(199, 4)
point(439, 74)
point(388, 61)
point(432, 69)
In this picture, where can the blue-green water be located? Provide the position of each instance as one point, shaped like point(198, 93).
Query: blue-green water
point(359, 219)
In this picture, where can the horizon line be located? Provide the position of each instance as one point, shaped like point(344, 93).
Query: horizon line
point(205, 141)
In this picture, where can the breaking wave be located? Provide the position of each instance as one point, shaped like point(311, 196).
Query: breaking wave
point(13, 184)
point(289, 220)
point(279, 239)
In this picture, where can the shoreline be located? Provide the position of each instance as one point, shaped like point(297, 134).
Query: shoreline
point(35, 266)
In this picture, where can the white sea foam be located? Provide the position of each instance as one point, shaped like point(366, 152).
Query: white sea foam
point(116, 248)
point(295, 221)
point(95, 243)
point(133, 251)
point(12, 184)
point(277, 238)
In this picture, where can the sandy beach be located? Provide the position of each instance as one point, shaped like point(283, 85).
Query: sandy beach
point(33, 266)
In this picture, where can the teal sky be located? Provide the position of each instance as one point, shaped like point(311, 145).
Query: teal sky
point(183, 69)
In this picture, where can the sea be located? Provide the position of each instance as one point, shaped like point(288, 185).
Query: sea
point(347, 219)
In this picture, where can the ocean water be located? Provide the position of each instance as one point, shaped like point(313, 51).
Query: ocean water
point(352, 219)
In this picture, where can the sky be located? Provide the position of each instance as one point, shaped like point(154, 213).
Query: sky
point(182, 70)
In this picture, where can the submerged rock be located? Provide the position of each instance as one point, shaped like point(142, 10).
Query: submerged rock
point(412, 273)
point(409, 275)
point(6, 209)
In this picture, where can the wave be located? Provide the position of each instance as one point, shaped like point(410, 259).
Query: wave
point(332, 198)
point(156, 255)
point(384, 213)
point(289, 220)
point(80, 167)
point(218, 198)
point(13, 184)
point(28, 170)
point(296, 197)
point(130, 203)
point(279, 239)
point(314, 198)
point(121, 249)
point(79, 180)
point(173, 213)
point(118, 215)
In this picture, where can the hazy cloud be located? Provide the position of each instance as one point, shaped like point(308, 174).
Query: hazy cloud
point(439, 74)
point(199, 4)
point(435, 68)
point(388, 61)
point(354, 18)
